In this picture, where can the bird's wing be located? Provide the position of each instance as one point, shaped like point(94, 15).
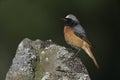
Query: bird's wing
point(79, 31)
point(82, 37)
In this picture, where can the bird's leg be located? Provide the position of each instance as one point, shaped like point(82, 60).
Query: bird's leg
point(76, 53)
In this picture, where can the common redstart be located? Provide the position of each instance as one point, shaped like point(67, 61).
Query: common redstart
point(75, 36)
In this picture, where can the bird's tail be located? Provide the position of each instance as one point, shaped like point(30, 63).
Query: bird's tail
point(89, 52)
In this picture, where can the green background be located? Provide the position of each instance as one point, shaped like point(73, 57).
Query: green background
point(40, 19)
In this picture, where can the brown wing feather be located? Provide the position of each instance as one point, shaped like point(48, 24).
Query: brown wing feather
point(83, 37)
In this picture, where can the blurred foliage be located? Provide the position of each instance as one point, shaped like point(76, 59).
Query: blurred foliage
point(40, 19)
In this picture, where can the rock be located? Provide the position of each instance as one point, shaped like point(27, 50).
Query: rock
point(44, 60)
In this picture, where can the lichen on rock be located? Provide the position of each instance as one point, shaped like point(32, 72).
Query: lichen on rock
point(44, 60)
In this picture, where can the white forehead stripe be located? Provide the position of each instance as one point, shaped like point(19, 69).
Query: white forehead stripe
point(71, 17)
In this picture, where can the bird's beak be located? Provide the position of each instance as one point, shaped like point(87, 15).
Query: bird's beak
point(64, 19)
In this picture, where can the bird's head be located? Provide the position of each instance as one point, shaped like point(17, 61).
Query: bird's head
point(71, 20)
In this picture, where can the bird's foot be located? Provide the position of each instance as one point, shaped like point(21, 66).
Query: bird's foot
point(75, 55)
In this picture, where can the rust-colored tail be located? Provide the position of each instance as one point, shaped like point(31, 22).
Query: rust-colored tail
point(89, 52)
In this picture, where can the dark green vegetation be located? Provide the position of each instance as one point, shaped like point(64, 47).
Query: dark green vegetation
point(41, 19)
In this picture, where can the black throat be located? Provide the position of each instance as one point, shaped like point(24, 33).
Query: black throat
point(70, 22)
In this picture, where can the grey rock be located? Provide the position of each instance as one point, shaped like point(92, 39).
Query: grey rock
point(44, 60)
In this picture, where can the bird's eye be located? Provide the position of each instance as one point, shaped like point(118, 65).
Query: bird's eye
point(70, 21)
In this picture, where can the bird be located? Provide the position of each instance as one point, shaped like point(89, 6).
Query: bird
point(75, 36)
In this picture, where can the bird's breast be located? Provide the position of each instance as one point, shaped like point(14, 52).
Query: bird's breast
point(71, 38)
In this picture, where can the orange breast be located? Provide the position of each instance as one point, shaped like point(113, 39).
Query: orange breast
point(71, 38)
point(74, 40)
